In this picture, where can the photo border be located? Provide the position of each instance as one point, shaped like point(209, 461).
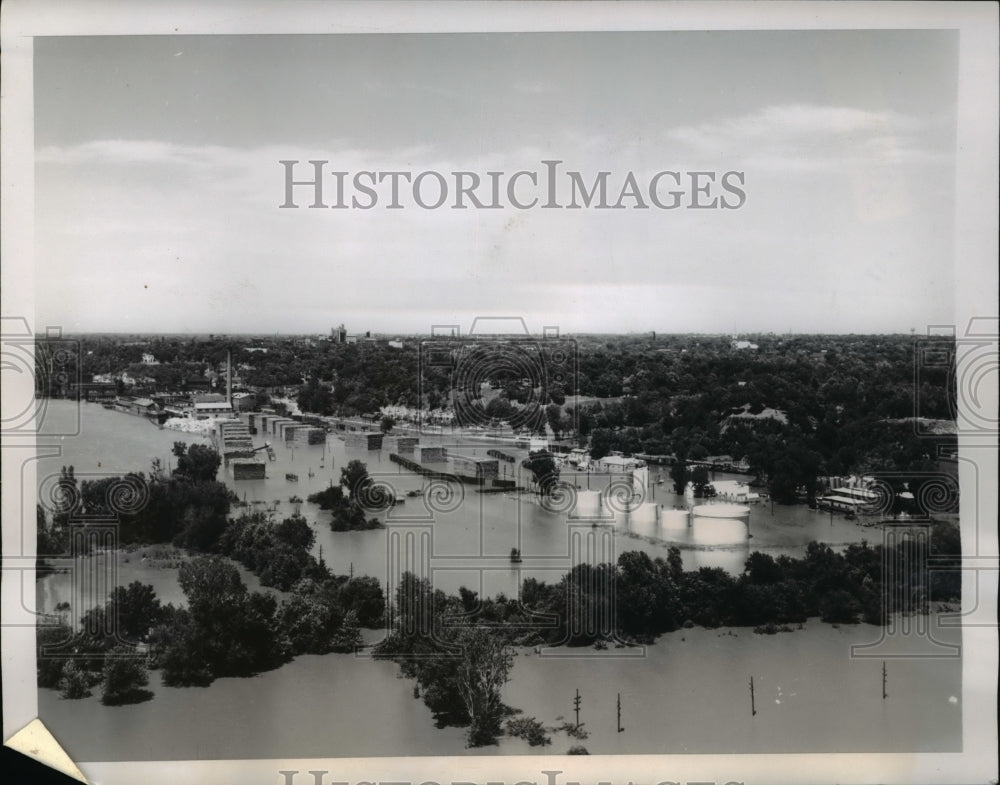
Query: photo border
point(976, 232)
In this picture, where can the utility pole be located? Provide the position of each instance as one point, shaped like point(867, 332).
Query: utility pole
point(620, 728)
point(576, 707)
point(884, 693)
point(753, 706)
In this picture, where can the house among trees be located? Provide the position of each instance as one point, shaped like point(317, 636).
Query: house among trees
point(619, 464)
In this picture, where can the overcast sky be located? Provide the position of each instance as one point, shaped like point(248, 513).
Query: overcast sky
point(158, 183)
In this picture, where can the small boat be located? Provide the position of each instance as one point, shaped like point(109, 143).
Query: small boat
point(292, 477)
point(414, 493)
point(515, 556)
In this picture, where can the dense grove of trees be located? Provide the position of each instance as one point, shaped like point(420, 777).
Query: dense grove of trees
point(188, 508)
point(543, 469)
point(649, 596)
point(225, 630)
point(104, 651)
point(843, 400)
point(346, 509)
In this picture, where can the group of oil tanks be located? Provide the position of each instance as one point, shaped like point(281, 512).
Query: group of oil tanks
point(709, 524)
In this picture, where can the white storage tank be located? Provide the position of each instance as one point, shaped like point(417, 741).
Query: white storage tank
point(673, 520)
point(720, 524)
point(589, 504)
point(644, 519)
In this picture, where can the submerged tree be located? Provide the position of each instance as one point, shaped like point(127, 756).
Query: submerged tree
point(542, 465)
point(484, 669)
point(196, 462)
point(125, 675)
point(355, 478)
point(75, 682)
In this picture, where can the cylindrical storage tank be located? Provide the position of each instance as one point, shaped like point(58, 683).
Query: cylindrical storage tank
point(673, 520)
point(720, 524)
point(640, 480)
point(588, 504)
point(643, 519)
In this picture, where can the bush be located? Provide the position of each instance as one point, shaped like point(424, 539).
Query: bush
point(529, 729)
point(75, 682)
point(577, 749)
point(125, 675)
point(50, 669)
point(839, 606)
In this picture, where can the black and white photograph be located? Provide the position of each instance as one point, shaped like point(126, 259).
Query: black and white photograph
point(405, 397)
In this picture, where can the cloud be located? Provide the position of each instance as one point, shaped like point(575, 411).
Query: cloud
point(810, 138)
point(200, 225)
point(532, 88)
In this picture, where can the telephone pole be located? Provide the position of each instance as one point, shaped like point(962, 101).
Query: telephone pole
point(884, 693)
point(576, 707)
point(620, 728)
point(753, 706)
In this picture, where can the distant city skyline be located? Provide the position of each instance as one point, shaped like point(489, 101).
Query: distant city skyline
point(158, 184)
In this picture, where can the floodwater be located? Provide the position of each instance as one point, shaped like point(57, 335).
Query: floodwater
point(471, 534)
point(687, 693)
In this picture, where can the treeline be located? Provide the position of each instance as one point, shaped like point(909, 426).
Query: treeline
point(844, 400)
point(188, 508)
point(225, 630)
point(646, 597)
point(841, 401)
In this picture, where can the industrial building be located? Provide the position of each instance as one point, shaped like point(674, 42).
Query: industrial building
point(309, 434)
point(244, 401)
point(364, 441)
point(206, 409)
point(401, 445)
point(247, 469)
point(423, 453)
point(482, 470)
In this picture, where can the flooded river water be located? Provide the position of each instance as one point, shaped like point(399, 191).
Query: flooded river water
point(686, 693)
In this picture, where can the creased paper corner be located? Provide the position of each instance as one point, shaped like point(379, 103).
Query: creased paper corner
point(35, 741)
